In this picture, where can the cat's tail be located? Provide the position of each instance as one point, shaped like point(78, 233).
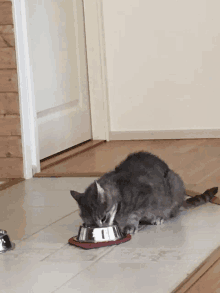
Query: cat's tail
point(198, 200)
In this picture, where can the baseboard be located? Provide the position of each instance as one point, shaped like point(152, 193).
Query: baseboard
point(165, 134)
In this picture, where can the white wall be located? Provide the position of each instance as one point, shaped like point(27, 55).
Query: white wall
point(163, 62)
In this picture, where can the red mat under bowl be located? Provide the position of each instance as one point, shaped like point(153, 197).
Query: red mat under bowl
point(90, 245)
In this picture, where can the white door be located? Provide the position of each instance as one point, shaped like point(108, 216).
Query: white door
point(58, 59)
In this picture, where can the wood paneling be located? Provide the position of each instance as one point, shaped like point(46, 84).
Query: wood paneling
point(11, 167)
point(7, 29)
point(8, 80)
point(10, 125)
point(7, 58)
point(7, 36)
point(9, 40)
point(9, 103)
point(6, 13)
point(10, 146)
point(2, 42)
point(11, 163)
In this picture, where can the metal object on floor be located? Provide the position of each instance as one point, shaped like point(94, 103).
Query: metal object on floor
point(97, 234)
point(94, 237)
point(5, 243)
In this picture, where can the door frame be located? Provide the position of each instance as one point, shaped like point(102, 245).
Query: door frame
point(97, 78)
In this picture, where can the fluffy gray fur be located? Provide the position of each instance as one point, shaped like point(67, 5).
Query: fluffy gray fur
point(141, 188)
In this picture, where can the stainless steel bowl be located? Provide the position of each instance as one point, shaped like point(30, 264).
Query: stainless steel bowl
point(103, 234)
point(5, 243)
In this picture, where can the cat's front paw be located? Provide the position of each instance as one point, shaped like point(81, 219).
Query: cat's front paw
point(130, 229)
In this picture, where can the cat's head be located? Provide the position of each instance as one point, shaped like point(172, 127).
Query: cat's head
point(97, 206)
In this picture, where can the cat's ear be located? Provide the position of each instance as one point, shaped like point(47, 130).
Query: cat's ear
point(76, 195)
point(100, 192)
point(112, 214)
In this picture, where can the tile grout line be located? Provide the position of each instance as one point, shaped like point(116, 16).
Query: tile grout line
point(28, 236)
point(85, 268)
point(205, 264)
point(56, 250)
point(212, 265)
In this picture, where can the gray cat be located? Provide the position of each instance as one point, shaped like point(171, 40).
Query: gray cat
point(141, 189)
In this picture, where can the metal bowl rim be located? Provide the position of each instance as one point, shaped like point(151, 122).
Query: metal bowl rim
point(89, 229)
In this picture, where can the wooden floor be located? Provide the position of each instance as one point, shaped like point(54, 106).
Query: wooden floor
point(194, 159)
point(68, 155)
point(197, 161)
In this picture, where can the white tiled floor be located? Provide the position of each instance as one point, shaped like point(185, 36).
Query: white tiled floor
point(40, 216)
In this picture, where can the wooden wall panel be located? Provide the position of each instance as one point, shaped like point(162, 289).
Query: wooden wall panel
point(10, 125)
point(9, 104)
point(6, 13)
point(2, 42)
point(11, 162)
point(10, 147)
point(7, 36)
point(7, 29)
point(8, 40)
point(8, 80)
point(11, 167)
point(7, 58)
